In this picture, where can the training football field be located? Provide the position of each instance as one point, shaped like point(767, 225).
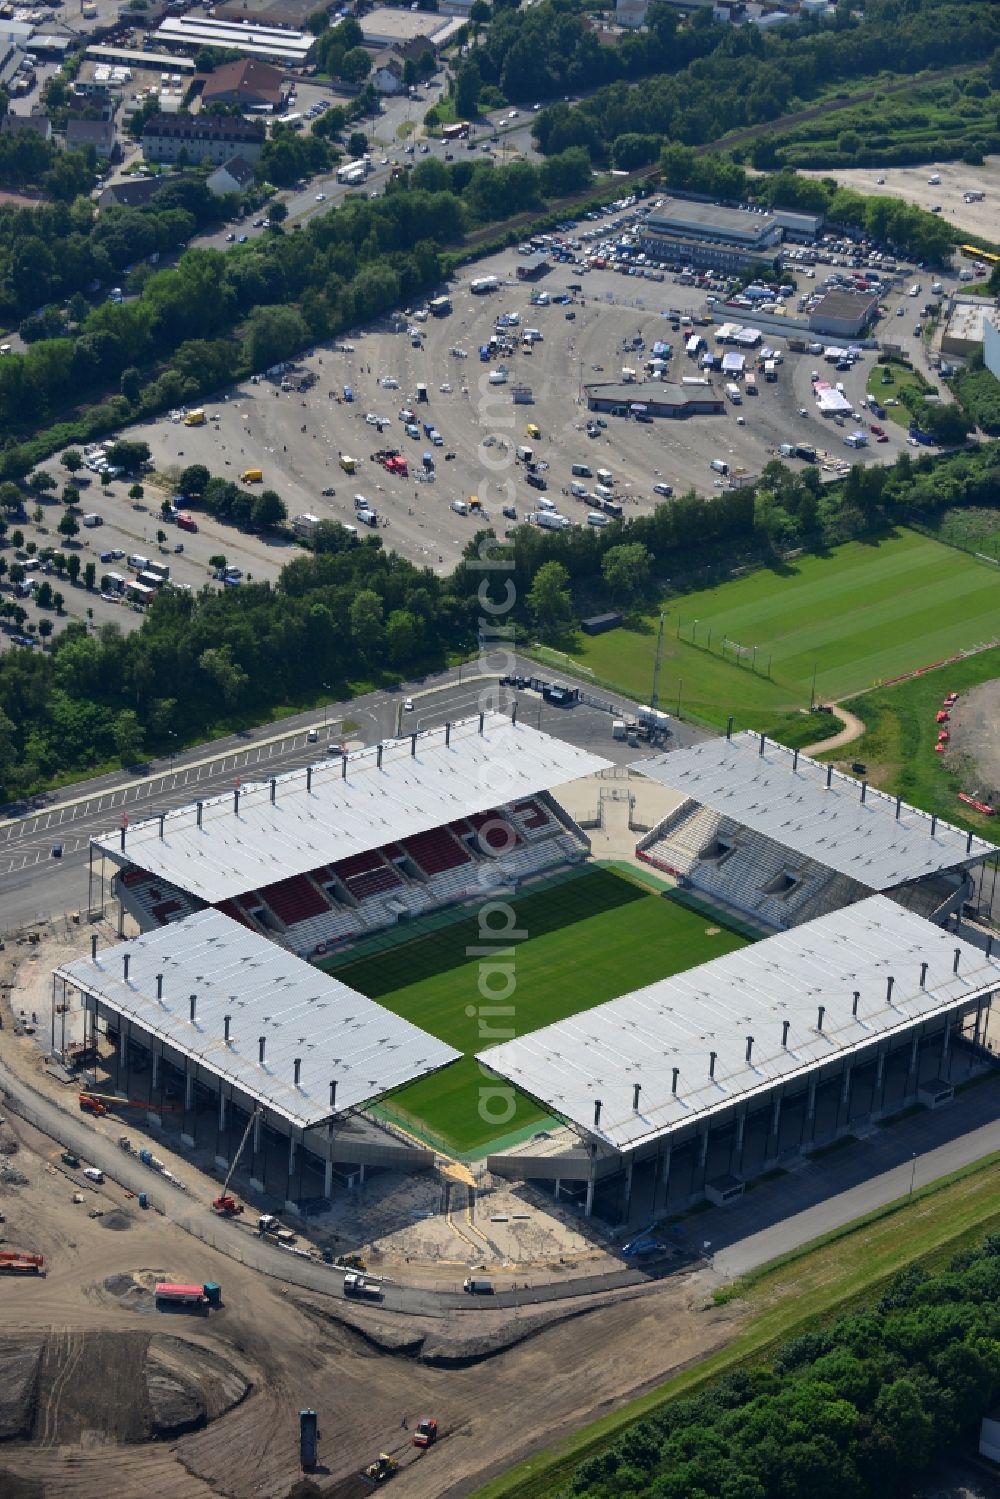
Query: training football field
point(586, 938)
point(856, 616)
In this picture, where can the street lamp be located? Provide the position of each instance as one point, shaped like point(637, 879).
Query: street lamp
point(913, 1173)
point(326, 705)
point(172, 736)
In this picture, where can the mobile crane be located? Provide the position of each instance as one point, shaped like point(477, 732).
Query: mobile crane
point(225, 1203)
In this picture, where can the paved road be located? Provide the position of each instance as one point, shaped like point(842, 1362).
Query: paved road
point(34, 885)
point(819, 1196)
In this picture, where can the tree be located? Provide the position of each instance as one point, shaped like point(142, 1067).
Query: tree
point(41, 482)
point(548, 601)
point(130, 457)
point(136, 492)
point(626, 570)
point(356, 66)
point(127, 736)
point(468, 82)
point(73, 565)
point(357, 144)
point(269, 510)
point(45, 628)
point(226, 676)
point(43, 597)
point(89, 575)
point(130, 384)
point(278, 212)
point(10, 496)
point(72, 460)
point(217, 561)
point(69, 526)
point(57, 601)
point(193, 480)
point(70, 495)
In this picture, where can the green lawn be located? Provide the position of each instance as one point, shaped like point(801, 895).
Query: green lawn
point(860, 614)
point(898, 747)
point(902, 379)
point(587, 939)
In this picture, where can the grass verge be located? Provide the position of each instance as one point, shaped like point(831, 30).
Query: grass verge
point(805, 1287)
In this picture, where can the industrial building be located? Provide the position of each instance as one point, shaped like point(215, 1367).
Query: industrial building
point(273, 43)
point(965, 331)
point(655, 398)
point(709, 255)
point(845, 314)
point(860, 1002)
point(130, 57)
point(387, 27)
point(715, 224)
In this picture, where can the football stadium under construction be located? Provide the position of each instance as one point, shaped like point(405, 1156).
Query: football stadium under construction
point(868, 988)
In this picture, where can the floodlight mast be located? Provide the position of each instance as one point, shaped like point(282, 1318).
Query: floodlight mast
point(655, 699)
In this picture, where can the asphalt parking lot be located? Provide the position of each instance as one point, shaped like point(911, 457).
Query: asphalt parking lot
point(298, 438)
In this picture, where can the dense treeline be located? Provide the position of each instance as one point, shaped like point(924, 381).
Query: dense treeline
point(344, 617)
point(218, 316)
point(352, 613)
point(52, 254)
point(750, 78)
point(857, 1410)
point(26, 160)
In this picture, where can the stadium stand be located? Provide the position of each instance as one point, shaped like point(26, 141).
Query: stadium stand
point(435, 851)
point(295, 899)
point(154, 902)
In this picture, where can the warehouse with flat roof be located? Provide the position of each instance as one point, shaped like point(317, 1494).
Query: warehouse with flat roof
point(711, 221)
point(846, 314)
point(654, 398)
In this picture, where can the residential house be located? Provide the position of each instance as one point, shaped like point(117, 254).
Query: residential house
point(234, 176)
point(250, 83)
point(214, 138)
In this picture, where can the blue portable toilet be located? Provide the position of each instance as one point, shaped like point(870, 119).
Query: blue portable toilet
point(143, 1200)
point(348, 393)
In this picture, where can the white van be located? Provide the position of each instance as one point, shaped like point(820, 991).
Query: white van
point(524, 454)
point(138, 563)
point(460, 507)
point(544, 503)
point(595, 518)
point(603, 492)
point(605, 476)
point(579, 490)
point(582, 471)
point(719, 466)
point(92, 520)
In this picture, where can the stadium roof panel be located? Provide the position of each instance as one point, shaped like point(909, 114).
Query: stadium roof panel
point(259, 834)
point(815, 810)
point(336, 1033)
point(735, 1009)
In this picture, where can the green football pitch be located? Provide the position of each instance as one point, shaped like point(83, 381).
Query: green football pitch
point(586, 939)
point(857, 616)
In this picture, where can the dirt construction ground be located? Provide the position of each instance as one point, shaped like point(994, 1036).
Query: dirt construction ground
point(973, 728)
point(911, 184)
point(111, 1373)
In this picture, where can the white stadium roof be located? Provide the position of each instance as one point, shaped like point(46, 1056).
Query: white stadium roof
point(815, 810)
point(339, 1035)
point(600, 1054)
point(248, 838)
